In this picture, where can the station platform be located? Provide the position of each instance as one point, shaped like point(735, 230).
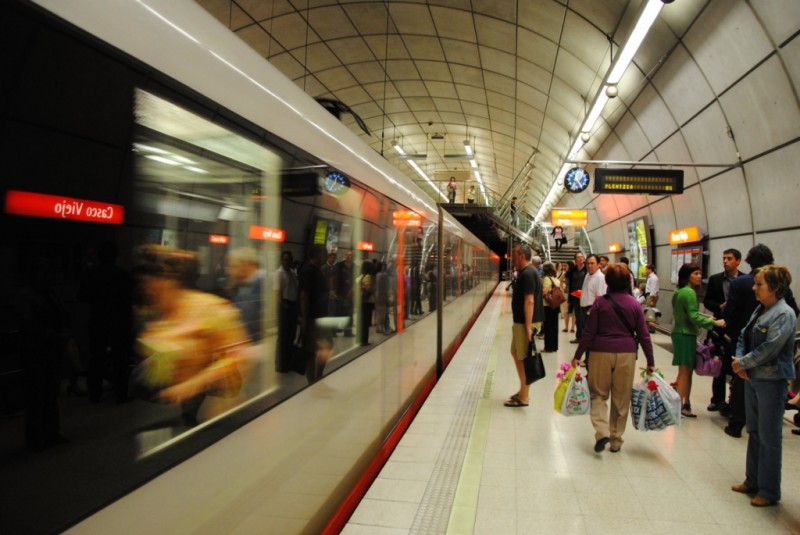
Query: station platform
point(470, 465)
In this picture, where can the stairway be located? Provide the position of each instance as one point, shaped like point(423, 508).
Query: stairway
point(564, 254)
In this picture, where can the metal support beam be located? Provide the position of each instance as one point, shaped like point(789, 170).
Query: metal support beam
point(654, 164)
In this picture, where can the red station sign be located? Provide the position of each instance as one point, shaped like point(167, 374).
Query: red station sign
point(365, 246)
point(267, 234)
point(218, 239)
point(59, 207)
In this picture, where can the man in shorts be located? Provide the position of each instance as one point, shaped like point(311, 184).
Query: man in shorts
point(527, 311)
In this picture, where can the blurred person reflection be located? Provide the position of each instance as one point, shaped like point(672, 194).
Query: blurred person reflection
point(43, 323)
point(285, 285)
point(328, 272)
point(193, 346)
point(381, 299)
point(313, 297)
point(366, 285)
point(108, 289)
point(247, 281)
point(344, 291)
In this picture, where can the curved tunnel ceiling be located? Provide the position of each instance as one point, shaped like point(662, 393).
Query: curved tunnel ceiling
point(515, 78)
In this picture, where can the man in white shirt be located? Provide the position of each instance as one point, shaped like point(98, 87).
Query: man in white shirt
point(651, 288)
point(594, 285)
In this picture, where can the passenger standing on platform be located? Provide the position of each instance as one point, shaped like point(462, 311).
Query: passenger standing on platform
point(286, 296)
point(714, 301)
point(527, 312)
point(566, 309)
point(471, 195)
point(686, 321)
point(764, 354)
point(738, 308)
point(382, 299)
point(594, 285)
point(550, 281)
point(451, 190)
point(651, 286)
point(576, 278)
point(624, 260)
point(615, 328)
point(603, 263)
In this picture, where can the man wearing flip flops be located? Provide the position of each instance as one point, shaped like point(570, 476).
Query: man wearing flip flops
point(527, 311)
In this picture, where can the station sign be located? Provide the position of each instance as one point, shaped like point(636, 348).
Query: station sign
point(365, 246)
point(569, 218)
point(60, 207)
point(685, 235)
point(406, 218)
point(218, 239)
point(267, 234)
point(614, 247)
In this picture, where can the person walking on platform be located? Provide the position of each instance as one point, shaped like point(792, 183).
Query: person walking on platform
point(594, 285)
point(527, 312)
point(550, 281)
point(615, 328)
point(714, 301)
point(764, 354)
point(576, 276)
point(686, 321)
point(651, 287)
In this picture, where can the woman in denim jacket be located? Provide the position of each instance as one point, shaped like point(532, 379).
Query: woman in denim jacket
point(763, 359)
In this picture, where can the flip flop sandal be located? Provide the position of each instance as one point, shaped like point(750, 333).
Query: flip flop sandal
point(515, 402)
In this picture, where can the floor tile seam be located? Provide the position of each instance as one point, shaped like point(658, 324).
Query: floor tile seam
point(434, 511)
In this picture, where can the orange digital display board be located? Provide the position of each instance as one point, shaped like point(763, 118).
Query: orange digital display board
point(685, 235)
point(59, 207)
point(614, 247)
point(365, 246)
point(569, 218)
point(218, 239)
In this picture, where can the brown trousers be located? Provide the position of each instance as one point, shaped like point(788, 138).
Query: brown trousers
point(611, 374)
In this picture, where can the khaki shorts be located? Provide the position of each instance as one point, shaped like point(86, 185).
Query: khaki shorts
point(519, 341)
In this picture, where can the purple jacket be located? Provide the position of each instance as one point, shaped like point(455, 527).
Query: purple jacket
point(605, 331)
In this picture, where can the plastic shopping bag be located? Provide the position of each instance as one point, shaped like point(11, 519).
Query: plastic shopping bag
point(571, 397)
point(652, 404)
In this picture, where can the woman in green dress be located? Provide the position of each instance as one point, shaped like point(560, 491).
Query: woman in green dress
point(685, 327)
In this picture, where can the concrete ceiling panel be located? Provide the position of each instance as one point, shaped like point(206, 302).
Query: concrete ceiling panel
point(708, 140)
point(731, 216)
point(773, 193)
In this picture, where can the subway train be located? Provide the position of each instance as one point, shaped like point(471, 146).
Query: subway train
point(220, 308)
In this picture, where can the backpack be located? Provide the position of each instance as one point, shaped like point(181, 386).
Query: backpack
point(556, 296)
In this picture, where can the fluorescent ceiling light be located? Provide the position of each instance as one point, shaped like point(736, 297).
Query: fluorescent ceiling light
point(646, 20)
point(183, 159)
point(473, 163)
point(468, 148)
point(196, 169)
point(398, 148)
point(594, 114)
point(149, 148)
point(161, 159)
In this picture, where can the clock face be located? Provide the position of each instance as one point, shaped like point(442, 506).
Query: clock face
point(576, 180)
point(336, 183)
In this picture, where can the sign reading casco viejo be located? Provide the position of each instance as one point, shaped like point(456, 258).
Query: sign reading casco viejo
point(59, 207)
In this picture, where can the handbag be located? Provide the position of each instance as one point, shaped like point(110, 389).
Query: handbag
point(556, 296)
point(706, 362)
point(534, 365)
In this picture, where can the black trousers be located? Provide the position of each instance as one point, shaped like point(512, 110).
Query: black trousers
point(551, 328)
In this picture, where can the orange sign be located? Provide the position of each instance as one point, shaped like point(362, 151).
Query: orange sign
point(365, 246)
point(569, 218)
point(218, 239)
point(685, 235)
point(58, 207)
point(614, 248)
point(268, 234)
point(406, 218)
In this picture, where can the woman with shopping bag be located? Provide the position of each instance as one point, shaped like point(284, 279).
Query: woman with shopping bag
point(614, 330)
